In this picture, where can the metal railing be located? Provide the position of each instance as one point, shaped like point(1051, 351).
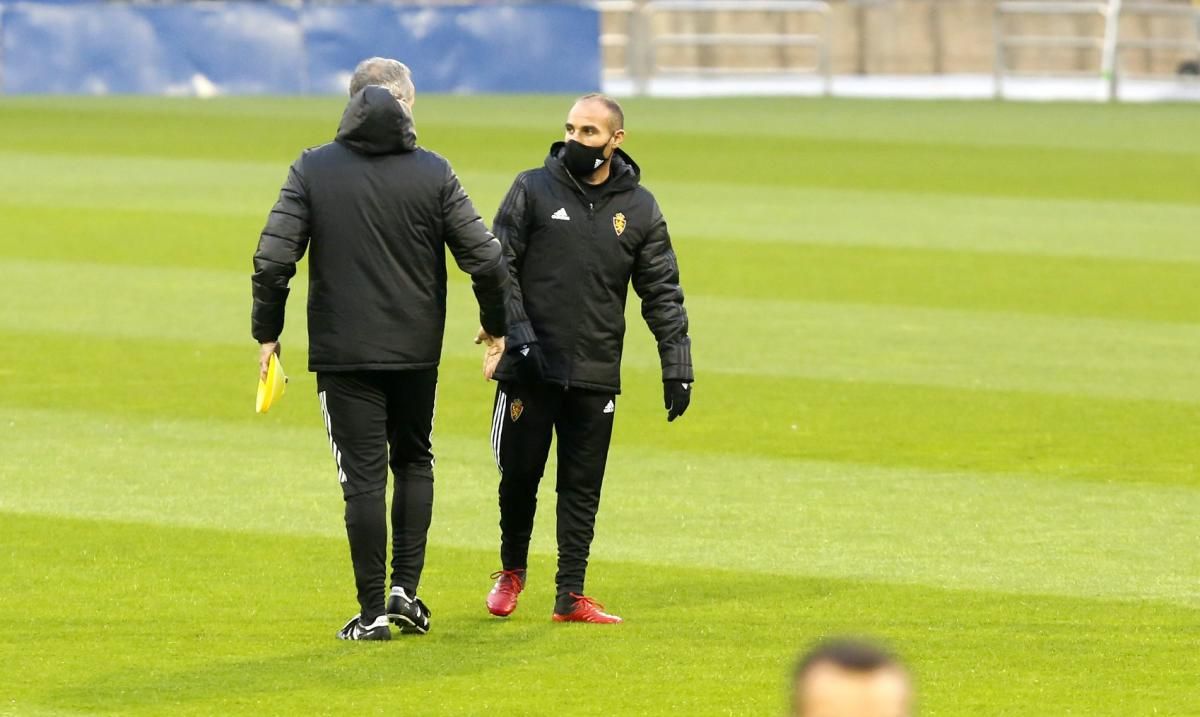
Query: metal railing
point(642, 41)
point(628, 10)
point(1005, 42)
point(1109, 45)
point(1155, 9)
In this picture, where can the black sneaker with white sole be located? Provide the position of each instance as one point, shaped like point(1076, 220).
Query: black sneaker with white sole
point(408, 613)
point(356, 630)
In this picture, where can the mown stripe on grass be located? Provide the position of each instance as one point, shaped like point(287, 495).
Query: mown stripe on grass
point(696, 207)
point(960, 529)
point(977, 350)
point(1046, 285)
point(155, 183)
point(920, 167)
point(131, 237)
point(171, 126)
point(898, 219)
point(724, 211)
point(713, 210)
point(841, 421)
point(1050, 286)
point(243, 624)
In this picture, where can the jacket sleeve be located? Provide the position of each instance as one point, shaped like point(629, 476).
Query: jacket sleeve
point(512, 231)
point(656, 281)
point(477, 252)
point(282, 243)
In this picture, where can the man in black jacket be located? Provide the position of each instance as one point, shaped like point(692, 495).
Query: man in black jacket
point(377, 211)
point(576, 232)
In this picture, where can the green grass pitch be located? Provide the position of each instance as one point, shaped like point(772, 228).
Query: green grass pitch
point(948, 362)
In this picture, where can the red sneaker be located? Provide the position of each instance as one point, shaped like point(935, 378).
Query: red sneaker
point(502, 600)
point(586, 609)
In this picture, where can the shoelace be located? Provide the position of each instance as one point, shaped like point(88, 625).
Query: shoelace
point(583, 601)
point(514, 583)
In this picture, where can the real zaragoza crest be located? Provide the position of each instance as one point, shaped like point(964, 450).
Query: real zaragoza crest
point(516, 409)
point(619, 223)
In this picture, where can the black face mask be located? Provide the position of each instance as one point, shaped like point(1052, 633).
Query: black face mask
point(582, 160)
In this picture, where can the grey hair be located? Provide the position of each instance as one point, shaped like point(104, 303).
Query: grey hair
point(393, 75)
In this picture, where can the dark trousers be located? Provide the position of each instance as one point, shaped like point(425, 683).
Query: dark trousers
point(525, 417)
point(377, 419)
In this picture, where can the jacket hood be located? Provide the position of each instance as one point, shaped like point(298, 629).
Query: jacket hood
point(624, 174)
point(375, 123)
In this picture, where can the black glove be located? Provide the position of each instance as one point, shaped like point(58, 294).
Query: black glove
point(529, 362)
point(676, 397)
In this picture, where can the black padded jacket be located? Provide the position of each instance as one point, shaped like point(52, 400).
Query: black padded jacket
point(375, 212)
point(572, 260)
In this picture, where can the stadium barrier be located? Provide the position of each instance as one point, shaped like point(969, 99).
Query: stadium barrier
point(912, 48)
point(642, 42)
point(1108, 44)
point(243, 47)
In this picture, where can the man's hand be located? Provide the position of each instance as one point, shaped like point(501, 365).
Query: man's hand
point(677, 395)
point(493, 354)
point(264, 357)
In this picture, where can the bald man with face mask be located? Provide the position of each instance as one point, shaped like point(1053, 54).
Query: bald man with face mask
point(577, 231)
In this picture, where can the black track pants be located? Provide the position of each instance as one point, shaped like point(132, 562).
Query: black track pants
point(524, 419)
point(377, 419)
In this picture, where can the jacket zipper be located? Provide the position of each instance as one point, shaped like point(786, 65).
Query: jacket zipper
point(591, 207)
point(583, 196)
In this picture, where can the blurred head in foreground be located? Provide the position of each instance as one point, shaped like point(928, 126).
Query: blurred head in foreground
point(850, 678)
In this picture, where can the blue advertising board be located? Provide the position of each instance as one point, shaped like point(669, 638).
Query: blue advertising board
point(239, 47)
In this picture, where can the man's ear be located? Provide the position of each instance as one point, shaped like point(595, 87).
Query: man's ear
point(618, 138)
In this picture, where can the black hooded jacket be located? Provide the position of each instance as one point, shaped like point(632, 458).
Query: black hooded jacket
point(377, 211)
point(572, 260)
